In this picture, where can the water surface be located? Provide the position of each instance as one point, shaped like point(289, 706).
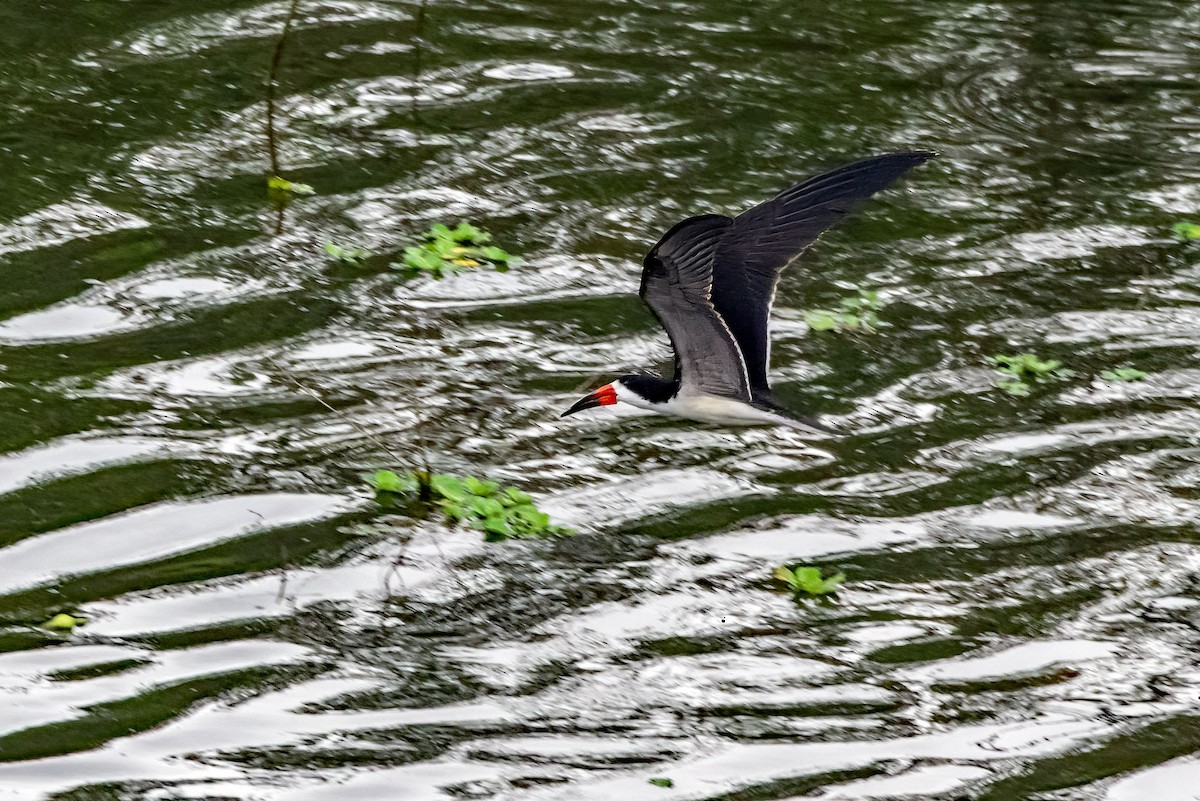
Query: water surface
point(188, 400)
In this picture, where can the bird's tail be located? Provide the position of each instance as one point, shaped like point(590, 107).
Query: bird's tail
point(800, 422)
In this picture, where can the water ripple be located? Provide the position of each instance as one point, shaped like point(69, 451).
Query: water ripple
point(190, 402)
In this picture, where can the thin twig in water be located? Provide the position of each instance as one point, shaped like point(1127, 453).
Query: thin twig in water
point(310, 392)
point(287, 376)
point(418, 46)
point(272, 85)
point(281, 596)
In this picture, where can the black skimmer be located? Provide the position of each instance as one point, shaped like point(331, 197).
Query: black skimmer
point(711, 281)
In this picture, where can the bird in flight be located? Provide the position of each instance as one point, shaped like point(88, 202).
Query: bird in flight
point(711, 281)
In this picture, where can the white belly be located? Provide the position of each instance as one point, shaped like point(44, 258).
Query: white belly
point(712, 409)
point(715, 409)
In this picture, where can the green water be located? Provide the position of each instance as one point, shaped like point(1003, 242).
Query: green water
point(188, 399)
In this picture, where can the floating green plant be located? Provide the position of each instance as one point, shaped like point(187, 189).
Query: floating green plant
point(64, 622)
point(808, 580)
point(391, 481)
point(500, 512)
point(852, 314)
point(1186, 231)
point(352, 255)
point(282, 192)
point(1123, 374)
point(1024, 369)
point(662, 782)
point(447, 250)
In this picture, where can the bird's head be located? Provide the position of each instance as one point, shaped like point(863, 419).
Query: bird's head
point(636, 389)
point(606, 395)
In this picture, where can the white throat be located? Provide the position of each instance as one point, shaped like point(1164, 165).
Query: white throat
point(627, 395)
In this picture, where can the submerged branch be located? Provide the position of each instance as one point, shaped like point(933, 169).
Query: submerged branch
point(273, 83)
point(418, 47)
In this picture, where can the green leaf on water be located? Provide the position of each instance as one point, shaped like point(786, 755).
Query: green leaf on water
point(1022, 370)
point(390, 481)
point(486, 507)
point(515, 496)
point(1018, 388)
point(64, 622)
point(498, 524)
point(1022, 365)
point(662, 782)
point(457, 511)
point(537, 520)
point(421, 259)
point(477, 487)
point(808, 579)
point(449, 487)
point(857, 313)
point(281, 192)
point(1186, 231)
point(283, 185)
point(465, 232)
point(353, 256)
point(784, 574)
point(821, 320)
point(1123, 374)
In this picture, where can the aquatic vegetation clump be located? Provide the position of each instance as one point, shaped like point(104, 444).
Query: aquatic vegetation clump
point(1025, 369)
point(859, 313)
point(662, 782)
point(500, 512)
point(282, 192)
point(64, 622)
point(354, 256)
point(807, 580)
point(1187, 231)
point(1123, 374)
point(447, 250)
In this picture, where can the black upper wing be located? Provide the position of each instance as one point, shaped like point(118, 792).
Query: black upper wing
point(677, 278)
point(763, 240)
